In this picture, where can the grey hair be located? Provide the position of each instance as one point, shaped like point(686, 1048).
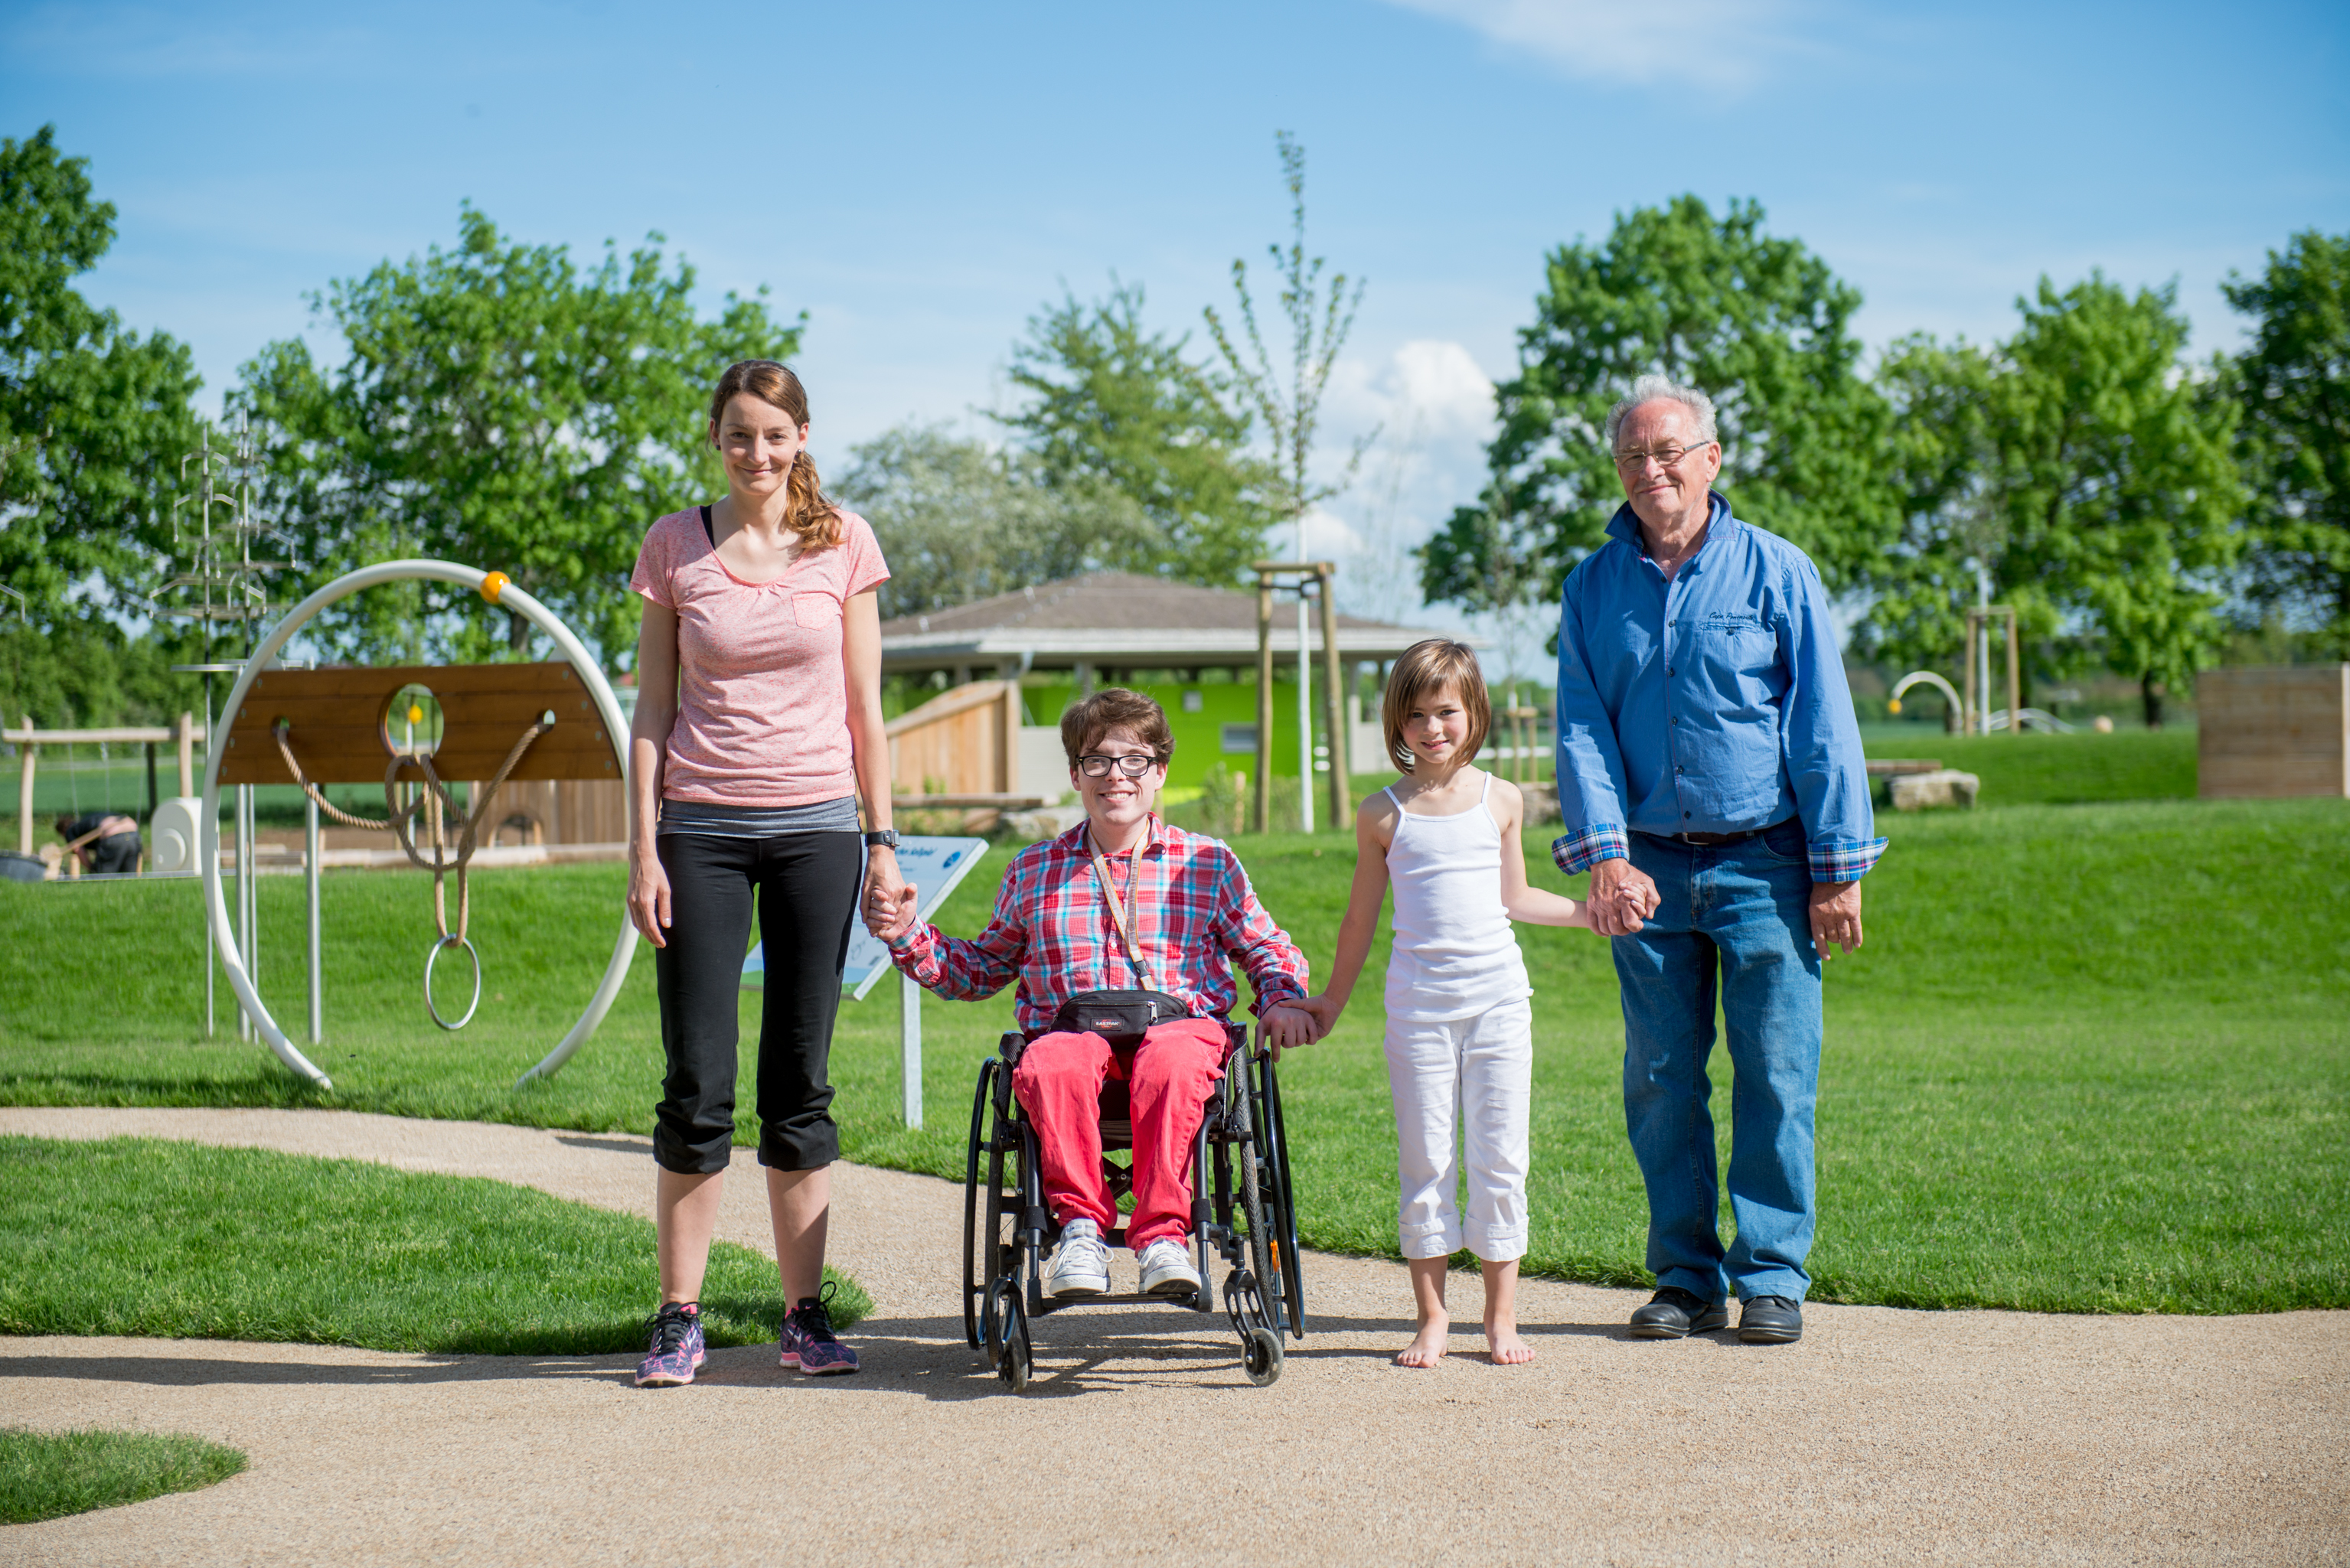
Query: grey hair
point(1664, 389)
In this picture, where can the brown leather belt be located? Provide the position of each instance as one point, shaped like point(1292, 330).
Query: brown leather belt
point(1711, 840)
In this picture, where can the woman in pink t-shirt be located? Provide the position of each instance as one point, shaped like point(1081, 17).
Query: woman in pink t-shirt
point(758, 725)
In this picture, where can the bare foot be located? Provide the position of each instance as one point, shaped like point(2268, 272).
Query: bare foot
point(1427, 1348)
point(1507, 1348)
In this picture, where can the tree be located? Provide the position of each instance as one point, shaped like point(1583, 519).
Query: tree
point(1318, 326)
point(2086, 474)
point(1115, 405)
point(2293, 386)
point(958, 522)
point(93, 419)
point(503, 409)
point(1758, 323)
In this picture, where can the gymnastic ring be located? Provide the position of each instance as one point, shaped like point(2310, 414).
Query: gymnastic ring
point(434, 957)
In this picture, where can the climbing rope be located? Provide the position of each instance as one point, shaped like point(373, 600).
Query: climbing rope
point(438, 806)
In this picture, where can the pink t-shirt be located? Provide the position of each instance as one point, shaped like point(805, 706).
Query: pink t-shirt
point(763, 695)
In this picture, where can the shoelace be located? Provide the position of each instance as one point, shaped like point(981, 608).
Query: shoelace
point(669, 1328)
point(813, 1318)
point(1073, 1247)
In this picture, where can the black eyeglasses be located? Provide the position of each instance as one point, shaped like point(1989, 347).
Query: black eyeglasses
point(1667, 457)
point(1134, 764)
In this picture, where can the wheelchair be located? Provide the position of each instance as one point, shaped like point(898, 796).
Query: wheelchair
point(1241, 1212)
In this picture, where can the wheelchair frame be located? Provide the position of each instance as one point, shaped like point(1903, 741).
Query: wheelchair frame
point(1249, 1224)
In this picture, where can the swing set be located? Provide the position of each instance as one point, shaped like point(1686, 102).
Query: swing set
point(414, 730)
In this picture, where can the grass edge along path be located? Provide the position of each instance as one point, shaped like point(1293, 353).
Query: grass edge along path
point(48, 1475)
point(186, 1240)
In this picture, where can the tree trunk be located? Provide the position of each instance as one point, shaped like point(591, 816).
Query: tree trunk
point(517, 633)
point(2151, 690)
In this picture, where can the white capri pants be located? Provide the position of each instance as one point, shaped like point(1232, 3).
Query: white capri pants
point(1463, 1080)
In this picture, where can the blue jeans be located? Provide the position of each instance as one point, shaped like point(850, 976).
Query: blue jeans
point(1739, 915)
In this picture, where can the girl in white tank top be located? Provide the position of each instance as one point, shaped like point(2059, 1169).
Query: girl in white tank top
point(1459, 1032)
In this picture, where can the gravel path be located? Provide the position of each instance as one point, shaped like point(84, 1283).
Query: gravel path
point(1884, 1436)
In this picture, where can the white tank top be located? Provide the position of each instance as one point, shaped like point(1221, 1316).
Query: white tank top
point(1455, 955)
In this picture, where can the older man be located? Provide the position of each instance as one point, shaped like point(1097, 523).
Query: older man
point(1710, 779)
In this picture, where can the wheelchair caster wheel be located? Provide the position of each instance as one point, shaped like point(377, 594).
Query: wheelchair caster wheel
point(1013, 1363)
point(1261, 1356)
point(993, 1313)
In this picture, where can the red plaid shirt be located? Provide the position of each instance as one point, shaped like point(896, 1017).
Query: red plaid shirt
point(1053, 931)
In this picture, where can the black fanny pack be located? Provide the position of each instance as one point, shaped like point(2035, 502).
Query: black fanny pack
point(1117, 1016)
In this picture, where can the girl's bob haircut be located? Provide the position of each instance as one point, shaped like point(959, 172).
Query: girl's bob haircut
point(1426, 669)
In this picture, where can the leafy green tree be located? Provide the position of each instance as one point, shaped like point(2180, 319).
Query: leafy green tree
point(1288, 398)
point(1114, 405)
point(1758, 323)
point(2293, 386)
point(959, 522)
point(93, 419)
point(2083, 469)
point(501, 408)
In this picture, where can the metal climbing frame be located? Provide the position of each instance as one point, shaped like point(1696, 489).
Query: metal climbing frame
point(250, 747)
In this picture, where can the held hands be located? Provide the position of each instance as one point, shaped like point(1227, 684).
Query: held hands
point(890, 900)
point(1290, 1022)
point(1623, 896)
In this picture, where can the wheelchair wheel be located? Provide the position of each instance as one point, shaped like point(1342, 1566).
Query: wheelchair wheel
point(1261, 1356)
point(1017, 1361)
point(977, 1258)
point(992, 1313)
point(1282, 1201)
point(1256, 1302)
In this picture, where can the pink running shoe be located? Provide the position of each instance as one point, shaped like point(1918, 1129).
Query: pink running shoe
point(807, 1340)
point(676, 1346)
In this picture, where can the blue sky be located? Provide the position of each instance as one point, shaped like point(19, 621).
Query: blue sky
point(919, 178)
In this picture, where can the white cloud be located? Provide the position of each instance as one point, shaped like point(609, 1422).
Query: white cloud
point(1714, 44)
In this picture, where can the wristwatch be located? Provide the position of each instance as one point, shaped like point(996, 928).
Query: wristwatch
point(882, 837)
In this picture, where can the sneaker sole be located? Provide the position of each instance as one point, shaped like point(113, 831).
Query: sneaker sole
point(1177, 1286)
point(672, 1382)
point(1075, 1289)
point(835, 1370)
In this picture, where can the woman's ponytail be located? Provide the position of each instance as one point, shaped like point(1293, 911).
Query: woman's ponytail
point(805, 511)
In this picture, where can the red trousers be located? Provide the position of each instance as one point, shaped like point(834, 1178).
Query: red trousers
point(1060, 1081)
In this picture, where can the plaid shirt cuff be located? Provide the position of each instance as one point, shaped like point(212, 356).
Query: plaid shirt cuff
point(1845, 859)
point(1588, 846)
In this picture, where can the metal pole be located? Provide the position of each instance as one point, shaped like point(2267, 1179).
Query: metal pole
point(26, 753)
point(1264, 703)
point(909, 1047)
point(1335, 709)
point(1304, 707)
point(1966, 705)
point(2014, 680)
point(246, 902)
point(310, 875)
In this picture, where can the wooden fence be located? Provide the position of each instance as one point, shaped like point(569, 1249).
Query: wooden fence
point(2272, 731)
point(961, 742)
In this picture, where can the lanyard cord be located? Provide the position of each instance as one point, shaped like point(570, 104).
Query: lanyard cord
point(1134, 901)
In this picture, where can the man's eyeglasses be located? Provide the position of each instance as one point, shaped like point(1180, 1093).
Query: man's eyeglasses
point(1134, 764)
point(1667, 457)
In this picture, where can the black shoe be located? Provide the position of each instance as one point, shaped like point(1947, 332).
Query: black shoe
point(1676, 1313)
point(1771, 1320)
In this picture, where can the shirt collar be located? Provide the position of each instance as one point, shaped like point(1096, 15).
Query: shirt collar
point(1153, 841)
point(1625, 524)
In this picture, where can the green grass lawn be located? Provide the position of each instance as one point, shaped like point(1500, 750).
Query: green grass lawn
point(48, 1475)
point(137, 1236)
point(2093, 1058)
point(2034, 769)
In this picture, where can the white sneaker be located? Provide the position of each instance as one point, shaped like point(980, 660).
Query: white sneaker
point(1081, 1267)
point(1167, 1270)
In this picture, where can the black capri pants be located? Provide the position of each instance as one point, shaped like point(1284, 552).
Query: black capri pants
point(806, 884)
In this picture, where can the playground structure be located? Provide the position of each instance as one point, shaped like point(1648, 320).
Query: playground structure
point(176, 856)
point(491, 722)
point(1968, 713)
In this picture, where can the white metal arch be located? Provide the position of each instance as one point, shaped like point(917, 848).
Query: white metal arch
point(508, 598)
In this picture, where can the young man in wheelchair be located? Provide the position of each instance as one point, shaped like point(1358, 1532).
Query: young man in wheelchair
point(1122, 917)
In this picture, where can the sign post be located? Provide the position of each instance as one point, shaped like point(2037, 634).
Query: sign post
point(934, 866)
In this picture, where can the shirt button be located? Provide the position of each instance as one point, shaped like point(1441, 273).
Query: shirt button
point(1672, 721)
point(1669, 670)
point(1685, 816)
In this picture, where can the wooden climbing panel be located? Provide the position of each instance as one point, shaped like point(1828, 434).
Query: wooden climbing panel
point(340, 724)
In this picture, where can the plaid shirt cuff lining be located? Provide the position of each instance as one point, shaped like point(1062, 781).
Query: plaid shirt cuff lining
point(1846, 860)
point(1588, 846)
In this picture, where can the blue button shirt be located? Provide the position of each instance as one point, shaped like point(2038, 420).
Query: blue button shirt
point(1713, 703)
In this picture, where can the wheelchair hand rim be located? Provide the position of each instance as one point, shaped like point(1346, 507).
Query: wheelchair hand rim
point(433, 957)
